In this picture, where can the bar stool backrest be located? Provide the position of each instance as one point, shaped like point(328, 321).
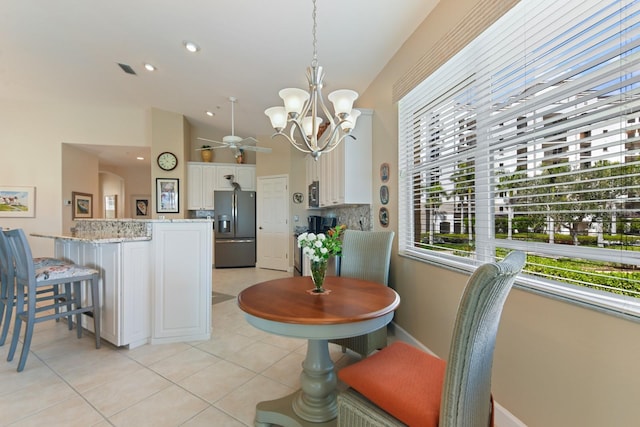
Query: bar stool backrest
point(21, 254)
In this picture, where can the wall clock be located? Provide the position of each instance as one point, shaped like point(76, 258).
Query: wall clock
point(167, 161)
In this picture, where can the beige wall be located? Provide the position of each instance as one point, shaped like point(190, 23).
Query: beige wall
point(31, 137)
point(137, 182)
point(79, 174)
point(556, 364)
point(169, 132)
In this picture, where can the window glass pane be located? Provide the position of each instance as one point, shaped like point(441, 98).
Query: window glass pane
point(529, 139)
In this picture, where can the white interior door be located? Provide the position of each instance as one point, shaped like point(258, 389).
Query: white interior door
point(272, 221)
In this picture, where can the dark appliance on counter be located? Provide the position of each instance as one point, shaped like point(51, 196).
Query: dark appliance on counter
point(314, 224)
point(320, 224)
point(297, 255)
point(328, 222)
point(314, 194)
point(235, 231)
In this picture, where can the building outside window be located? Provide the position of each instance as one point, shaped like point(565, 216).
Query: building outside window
point(529, 139)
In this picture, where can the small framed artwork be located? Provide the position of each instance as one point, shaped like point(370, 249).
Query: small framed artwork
point(384, 172)
point(384, 194)
point(81, 205)
point(298, 198)
point(383, 217)
point(140, 206)
point(17, 202)
point(167, 195)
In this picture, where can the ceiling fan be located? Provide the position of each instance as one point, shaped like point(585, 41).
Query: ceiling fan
point(234, 142)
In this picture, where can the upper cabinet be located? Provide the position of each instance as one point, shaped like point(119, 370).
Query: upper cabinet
point(201, 182)
point(345, 174)
point(205, 178)
point(244, 175)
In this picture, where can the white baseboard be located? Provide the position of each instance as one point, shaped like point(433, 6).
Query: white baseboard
point(503, 418)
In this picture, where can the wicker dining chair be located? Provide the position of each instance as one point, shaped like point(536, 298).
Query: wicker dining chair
point(403, 385)
point(366, 255)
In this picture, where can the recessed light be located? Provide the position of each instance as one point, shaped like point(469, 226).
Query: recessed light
point(210, 113)
point(139, 158)
point(191, 46)
point(149, 67)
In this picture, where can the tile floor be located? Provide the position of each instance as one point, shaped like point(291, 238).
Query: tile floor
point(67, 382)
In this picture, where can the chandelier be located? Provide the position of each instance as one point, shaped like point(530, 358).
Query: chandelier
point(302, 109)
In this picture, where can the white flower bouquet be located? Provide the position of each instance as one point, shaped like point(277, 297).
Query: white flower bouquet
point(319, 247)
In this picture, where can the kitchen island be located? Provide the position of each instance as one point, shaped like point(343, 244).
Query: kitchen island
point(155, 277)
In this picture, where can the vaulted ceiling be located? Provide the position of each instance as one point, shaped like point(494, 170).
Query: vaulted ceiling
point(69, 50)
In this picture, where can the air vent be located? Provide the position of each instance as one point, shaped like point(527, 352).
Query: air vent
point(127, 69)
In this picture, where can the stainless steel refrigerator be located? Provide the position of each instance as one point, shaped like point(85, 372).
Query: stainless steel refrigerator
point(235, 228)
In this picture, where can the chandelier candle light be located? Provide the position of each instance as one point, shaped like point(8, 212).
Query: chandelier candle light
point(319, 247)
point(301, 111)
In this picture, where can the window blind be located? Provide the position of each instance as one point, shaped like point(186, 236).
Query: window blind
point(529, 139)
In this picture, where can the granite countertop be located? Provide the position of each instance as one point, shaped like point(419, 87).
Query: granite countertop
point(87, 238)
point(113, 230)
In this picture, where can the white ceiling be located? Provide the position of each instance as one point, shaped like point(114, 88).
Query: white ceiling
point(68, 51)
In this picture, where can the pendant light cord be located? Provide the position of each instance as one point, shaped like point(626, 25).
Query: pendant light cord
point(314, 62)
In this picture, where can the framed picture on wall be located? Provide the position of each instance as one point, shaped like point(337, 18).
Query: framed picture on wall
point(81, 205)
point(17, 202)
point(384, 172)
point(384, 194)
point(167, 195)
point(383, 216)
point(140, 206)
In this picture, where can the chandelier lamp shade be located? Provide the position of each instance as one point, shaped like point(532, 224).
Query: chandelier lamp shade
point(304, 111)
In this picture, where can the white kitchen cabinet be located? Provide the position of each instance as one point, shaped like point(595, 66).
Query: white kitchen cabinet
point(136, 288)
point(181, 292)
point(124, 287)
point(345, 174)
point(244, 175)
point(205, 178)
point(201, 182)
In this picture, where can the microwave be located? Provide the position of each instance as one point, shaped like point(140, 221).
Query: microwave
point(314, 194)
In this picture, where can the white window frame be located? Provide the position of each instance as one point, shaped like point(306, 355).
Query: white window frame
point(460, 69)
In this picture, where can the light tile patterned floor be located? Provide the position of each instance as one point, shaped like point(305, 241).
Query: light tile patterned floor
point(67, 382)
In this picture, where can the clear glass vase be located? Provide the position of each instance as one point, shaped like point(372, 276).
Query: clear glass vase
point(318, 271)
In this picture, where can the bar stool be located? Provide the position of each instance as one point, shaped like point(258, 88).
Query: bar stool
point(7, 284)
point(29, 280)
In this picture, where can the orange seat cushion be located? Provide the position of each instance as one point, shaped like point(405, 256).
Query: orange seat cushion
point(404, 381)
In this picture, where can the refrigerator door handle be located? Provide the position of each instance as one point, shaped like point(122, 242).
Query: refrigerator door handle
point(234, 212)
point(235, 241)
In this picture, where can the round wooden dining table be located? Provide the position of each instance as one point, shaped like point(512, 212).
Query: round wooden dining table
point(351, 307)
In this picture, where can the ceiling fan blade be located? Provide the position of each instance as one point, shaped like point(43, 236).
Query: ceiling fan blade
point(260, 149)
point(210, 140)
point(235, 142)
point(249, 140)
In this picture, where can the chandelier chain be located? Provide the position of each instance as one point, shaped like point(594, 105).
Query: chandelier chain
point(314, 62)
